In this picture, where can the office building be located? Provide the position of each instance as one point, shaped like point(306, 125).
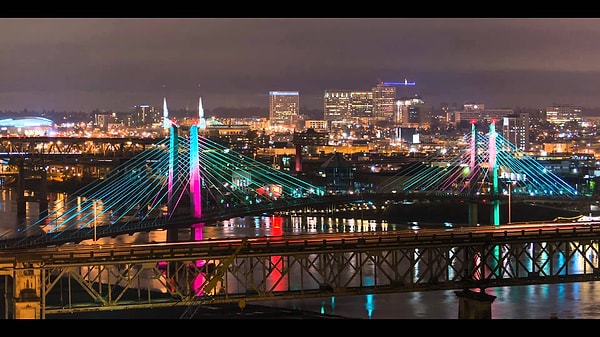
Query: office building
point(413, 112)
point(515, 128)
point(561, 114)
point(384, 102)
point(347, 107)
point(284, 108)
point(146, 115)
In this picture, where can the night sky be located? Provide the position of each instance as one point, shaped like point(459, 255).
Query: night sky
point(85, 64)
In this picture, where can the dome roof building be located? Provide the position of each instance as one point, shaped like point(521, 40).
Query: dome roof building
point(26, 126)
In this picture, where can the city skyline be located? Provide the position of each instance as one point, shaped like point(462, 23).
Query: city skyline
point(112, 64)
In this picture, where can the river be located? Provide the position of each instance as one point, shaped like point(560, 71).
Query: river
point(579, 300)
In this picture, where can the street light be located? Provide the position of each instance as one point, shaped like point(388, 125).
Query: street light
point(94, 201)
point(509, 202)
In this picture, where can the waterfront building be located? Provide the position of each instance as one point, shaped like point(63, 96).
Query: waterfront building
point(338, 174)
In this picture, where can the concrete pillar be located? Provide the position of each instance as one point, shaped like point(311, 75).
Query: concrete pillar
point(27, 293)
point(473, 214)
point(21, 201)
point(43, 194)
point(298, 158)
point(38, 186)
point(495, 212)
point(474, 305)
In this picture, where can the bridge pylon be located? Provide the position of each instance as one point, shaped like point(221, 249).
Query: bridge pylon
point(172, 234)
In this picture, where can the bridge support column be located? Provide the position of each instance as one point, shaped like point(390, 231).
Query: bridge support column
point(26, 293)
point(474, 305)
point(21, 200)
point(473, 214)
point(298, 158)
point(43, 195)
point(495, 212)
point(36, 183)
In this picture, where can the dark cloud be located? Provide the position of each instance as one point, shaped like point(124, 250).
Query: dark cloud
point(113, 64)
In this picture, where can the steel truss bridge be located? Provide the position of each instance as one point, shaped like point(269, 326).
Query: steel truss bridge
point(39, 149)
point(79, 278)
point(324, 205)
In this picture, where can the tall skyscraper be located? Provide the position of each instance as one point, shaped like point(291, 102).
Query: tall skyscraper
point(336, 107)
point(284, 107)
point(384, 102)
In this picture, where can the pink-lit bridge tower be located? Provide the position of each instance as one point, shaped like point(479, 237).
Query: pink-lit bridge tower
point(195, 182)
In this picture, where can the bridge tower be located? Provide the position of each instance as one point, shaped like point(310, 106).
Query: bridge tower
point(473, 214)
point(493, 170)
point(195, 179)
point(492, 151)
point(173, 172)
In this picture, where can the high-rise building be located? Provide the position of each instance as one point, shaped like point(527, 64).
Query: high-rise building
point(361, 107)
point(337, 106)
point(515, 128)
point(284, 107)
point(347, 107)
point(384, 102)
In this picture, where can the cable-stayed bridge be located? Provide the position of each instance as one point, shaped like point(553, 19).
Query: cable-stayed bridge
point(184, 179)
point(482, 163)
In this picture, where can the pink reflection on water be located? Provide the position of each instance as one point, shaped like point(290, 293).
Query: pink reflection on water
point(206, 268)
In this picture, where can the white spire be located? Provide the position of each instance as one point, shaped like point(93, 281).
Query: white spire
point(166, 121)
point(201, 120)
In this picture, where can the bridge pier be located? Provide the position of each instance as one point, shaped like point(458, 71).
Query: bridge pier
point(474, 305)
point(473, 214)
point(35, 183)
point(23, 295)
